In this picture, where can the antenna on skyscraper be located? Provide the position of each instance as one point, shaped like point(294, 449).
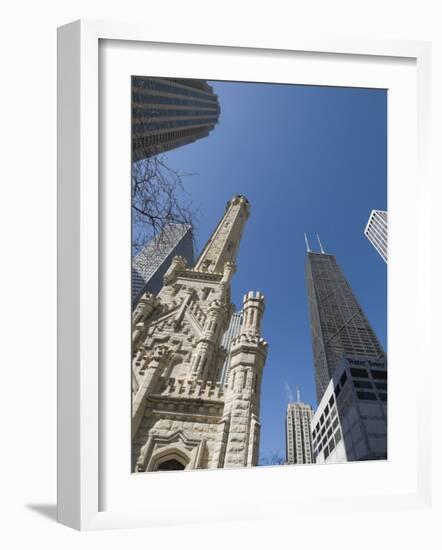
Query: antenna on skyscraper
point(298, 395)
point(320, 244)
point(306, 243)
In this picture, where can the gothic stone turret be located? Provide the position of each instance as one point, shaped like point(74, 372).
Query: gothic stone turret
point(248, 355)
point(182, 418)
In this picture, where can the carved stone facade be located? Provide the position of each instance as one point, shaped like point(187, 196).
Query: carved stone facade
point(182, 417)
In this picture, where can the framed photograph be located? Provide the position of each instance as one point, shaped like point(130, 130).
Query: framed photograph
point(227, 213)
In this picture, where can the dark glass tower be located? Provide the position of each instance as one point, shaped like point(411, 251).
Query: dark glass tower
point(168, 113)
point(338, 324)
point(150, 265)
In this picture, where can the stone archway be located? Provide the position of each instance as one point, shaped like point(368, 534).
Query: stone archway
point(170, 464)
point(188, 451)
point(169, 459)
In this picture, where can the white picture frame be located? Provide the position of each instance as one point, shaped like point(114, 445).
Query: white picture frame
point(79, 263)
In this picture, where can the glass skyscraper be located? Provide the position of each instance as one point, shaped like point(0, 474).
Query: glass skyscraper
point(150, 265)
point(231, 333)
point(376, 232)
point(338, 325)
point(168, 113)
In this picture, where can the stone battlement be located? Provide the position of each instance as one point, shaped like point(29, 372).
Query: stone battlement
point(249, 338)
point(194, 389)
point(253, 295)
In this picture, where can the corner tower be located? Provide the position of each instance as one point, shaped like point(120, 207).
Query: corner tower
point(248, 355)
point(182, 416)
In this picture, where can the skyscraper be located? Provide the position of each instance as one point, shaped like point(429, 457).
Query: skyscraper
point(376, 232)
point(338, 324)
point(182, 418)
point(350, 422)
point(298, 433)
point(168, 113)
point(150, 265)
point(231, 333)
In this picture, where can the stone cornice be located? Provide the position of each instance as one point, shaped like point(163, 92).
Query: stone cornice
point(199, 275)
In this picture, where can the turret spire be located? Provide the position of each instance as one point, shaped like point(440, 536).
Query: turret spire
point(306, 243)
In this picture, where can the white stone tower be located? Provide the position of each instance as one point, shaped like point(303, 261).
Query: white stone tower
point(298, 433)
point(182, 417)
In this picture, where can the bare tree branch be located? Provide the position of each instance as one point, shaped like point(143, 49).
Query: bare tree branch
point(158, 198)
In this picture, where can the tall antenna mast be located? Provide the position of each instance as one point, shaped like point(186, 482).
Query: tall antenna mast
point(298, 395)
point(320, 244)
point(306, 243)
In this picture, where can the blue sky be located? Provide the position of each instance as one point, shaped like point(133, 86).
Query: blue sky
point(309, 159)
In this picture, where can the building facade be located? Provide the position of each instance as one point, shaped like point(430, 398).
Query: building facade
point(338, 324)
point(229, 336)
point(350, 422)
point(150, 265)
point(298, 434)
point(182, 418)
point(168, 113)
point(376, 232)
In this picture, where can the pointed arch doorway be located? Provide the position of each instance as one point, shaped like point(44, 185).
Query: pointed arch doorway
point(170, 464)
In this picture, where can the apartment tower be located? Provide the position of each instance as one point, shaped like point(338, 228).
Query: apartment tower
point(168, 113)
point(298, 433)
